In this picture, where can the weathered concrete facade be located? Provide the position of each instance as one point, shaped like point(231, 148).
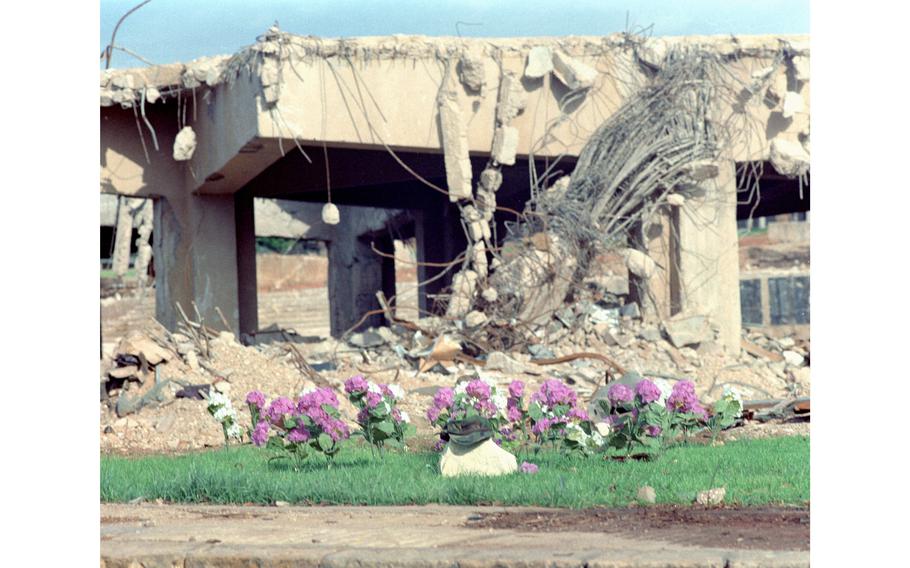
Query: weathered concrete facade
point(374, 121)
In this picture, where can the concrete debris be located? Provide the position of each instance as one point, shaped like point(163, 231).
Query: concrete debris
point(540, 62)
point(455, 146)
point(138, 344)
point(630, 310)
point(484, 458)
point(367, 339)
point(490, 295)
point(474, 319)
point(701, 170)
point(789, 158)
point(464, 285)
point(184, 144)
point(676, 200)
point(499, 361)
point(330, 214)
point(800, 67)
point(652, 52)
point(793, 358)
point(651, 334)
point(688, 330)
point(792, 104)
point(505, 145)
point(512, 98)
point(638, 263)
point(573, 73)
point(471, 70)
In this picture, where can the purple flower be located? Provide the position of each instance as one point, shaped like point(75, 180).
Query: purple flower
point(508, 435)
point(653, 431)
point(444, 398)
point(355, 385)
point(256, 398)
point(478, 389)
point(513, 413)
point(528, 468)
point(260, 434)
point(542, 426)
point(433, 414)
point(684, 400)
point(373, 399)
point(439, 445)
point(619, 393)
point(396, 415)
point(578, 414)
point(647, 391)
point(363, 416)
point(554, 392)
point(278, 408)
point(298, 434)
point(516, 389)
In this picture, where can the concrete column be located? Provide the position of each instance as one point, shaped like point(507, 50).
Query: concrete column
point(247, 301)
point(355, 274)
point(709, 255)
point(654, 295)
point(196, 259)
point(122, 236)
point(145, 218)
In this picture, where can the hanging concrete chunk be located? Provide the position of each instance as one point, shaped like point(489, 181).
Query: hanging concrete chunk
point(572, 73)
point(505, 145)
point(789, 158)
point(512, 98)
point(638, 263)
point(330, 214)
point(491, 179)
point(801, 68)
point(471, 70)
point(185, 144)
point(455, 148)
point(540, 62)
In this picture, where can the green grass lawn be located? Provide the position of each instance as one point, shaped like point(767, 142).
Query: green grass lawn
point(755, 472)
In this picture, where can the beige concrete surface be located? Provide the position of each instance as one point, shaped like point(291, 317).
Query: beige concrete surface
point(211, 535)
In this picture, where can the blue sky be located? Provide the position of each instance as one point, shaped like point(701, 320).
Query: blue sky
point(165, 31)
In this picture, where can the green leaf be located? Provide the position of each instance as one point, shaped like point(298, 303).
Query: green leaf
point(325, 442)
point(535, 412)
point(274, 443)
point(386, 427)
point(290, 423)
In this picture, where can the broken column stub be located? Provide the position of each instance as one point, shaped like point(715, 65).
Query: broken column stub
point(540, 62)
point(573, 73)
point(505, 145)
point(455, 147)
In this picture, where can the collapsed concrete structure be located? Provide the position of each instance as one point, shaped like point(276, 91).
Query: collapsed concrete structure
point(412, 125)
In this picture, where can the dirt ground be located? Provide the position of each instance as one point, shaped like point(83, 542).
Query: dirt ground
point(765, 528)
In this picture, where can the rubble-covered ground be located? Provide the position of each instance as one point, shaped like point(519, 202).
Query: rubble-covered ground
point(768, 368)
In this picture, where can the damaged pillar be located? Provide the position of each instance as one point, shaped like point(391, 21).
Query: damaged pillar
point(247, 300)
point(709, 255)
point(196, 259)
point(143, 248)
point(123, 235)
point(653, 292)
point(355, 274)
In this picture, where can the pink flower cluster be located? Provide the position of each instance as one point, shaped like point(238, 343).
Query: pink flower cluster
point(684, 400)
point(309, 413)
point(442, 402)
point(554, 392)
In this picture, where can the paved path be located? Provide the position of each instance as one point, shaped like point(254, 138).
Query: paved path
point(383, 537)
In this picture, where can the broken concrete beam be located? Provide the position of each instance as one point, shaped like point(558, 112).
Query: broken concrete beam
point(512, 98)
point(652, 52)
point(572, 73)
point(455, 147)
point(471, 70)
point(505, 145)
point(789, 158)
point(540, 62)
point(184, 144)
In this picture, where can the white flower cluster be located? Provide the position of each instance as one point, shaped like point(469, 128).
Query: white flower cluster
point(221, 408)
point(405, 417)
point(575, 433)
point(733, 393)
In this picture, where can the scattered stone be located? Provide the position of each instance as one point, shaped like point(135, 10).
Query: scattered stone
point(223, 387)
point(192, 361)
point(540, 351)
point(793, 103)
point(709, 348)
point(786, 342)
point(793, 358)
point(689, 353)
point(540, 62)
point(185, 144)
point(282, 504)
point(475, 319)
point(630, 310)
point(801, 67)
point(789, 158)
point(676, 200)
point(687, 330)
point(505, 145)
point(138, 344)
point(490, 295)
point(617, 285)
point(647, 494)
point(649, 334)
point(638, 263)
point(124, 372)
point(499, 361)
point(484, 458)
point(711, 496)
point(366, 339)
point(165, 423)
point(108, 429)
point(572, 73)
